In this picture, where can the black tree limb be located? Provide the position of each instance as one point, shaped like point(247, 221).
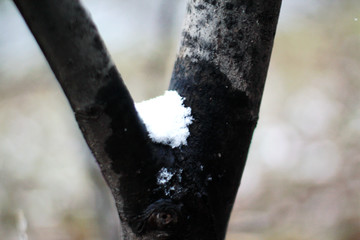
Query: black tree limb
point(220, 70)
point(102, 105)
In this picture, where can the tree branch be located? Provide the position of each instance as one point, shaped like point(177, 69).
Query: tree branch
point(220, 70)
point(102, 105)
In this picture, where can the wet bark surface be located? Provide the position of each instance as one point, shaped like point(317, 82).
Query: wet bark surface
point(220, 71)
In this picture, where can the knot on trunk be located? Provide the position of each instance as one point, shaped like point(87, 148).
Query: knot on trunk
point(162, 218)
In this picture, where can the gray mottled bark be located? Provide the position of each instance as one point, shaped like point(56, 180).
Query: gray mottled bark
point(220, 70)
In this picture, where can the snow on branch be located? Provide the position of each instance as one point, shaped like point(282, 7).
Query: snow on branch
point(166, 119)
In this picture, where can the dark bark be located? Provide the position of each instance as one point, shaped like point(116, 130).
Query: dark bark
point(220, 70)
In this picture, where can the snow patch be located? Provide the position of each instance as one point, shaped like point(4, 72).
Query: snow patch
point(164, 176)
point(166, 118)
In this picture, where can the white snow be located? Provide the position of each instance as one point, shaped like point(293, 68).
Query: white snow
point(164, 176)
point(166, 118)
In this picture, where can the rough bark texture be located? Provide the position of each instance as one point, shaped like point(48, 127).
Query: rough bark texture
point(220, 70)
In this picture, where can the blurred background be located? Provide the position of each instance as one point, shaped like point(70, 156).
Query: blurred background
point(302, 179)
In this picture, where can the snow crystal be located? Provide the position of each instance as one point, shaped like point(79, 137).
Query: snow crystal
point(164, 176)
point(166, 118)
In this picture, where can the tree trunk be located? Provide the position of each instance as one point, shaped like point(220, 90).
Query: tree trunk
point(220, 71)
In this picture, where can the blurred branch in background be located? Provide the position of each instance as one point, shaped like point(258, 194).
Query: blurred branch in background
point(302, 179)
